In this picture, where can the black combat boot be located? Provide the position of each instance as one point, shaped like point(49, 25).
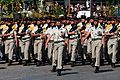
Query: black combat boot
point(53, 69)
point(38, 63)
point(6, 58)
point(96, 69)
point(113, 65)
point(19, 61)
point(72, 63)
point(25, 63)
point(93, 62)
point(50, 61)
point(59, 72)
point(9, 62)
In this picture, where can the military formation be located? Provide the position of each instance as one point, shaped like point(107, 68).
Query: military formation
point(60, 41)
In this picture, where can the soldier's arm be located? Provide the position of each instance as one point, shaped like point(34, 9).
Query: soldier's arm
point(48, 39)
point(86, 36)
point(35, 35)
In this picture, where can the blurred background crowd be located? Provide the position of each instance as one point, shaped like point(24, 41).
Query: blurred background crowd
point(41, 8)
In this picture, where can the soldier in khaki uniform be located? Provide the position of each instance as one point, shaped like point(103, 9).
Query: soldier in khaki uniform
point(96, 34)
point(49, 41)
point(26, 41)
point(38, 42)
point(81, 27)
point(59, 35)
point(73, 40)
point(10, 34)
point(88, 39)
point(112, 43)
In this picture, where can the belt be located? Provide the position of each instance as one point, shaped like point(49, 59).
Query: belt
point(9, 38)
point(73, 38)
point(51, 41)
point(38, 39)
point(97, 39)
point(25, 38)
point(58, 41)
point(112, 37)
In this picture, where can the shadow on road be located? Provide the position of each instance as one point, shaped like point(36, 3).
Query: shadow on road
point(3, 68)
point(108, 70)
point(68, 73)
point(117, 65)
point(66, 69)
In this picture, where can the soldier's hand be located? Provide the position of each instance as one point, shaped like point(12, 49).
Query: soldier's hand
point(1, 35)
point(46, 45)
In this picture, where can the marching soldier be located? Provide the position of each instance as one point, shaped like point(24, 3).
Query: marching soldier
point(1, 54)
point(21, 34)
point(26, 41)
point(96, 35)
point(81, 27)
point(49, 41)
point(10, 34)
point(73, 39)
point(38, 42)
point(88, 38)
point(59, 35)
point(112, 43)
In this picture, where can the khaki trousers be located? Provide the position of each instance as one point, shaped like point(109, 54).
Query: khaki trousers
point(72, 48)
point(22, 46)
point(89, 46)
point(57, 55)
point(96, 51)
point(9, 46)
point(50, 49)
point(38, 49)
point(26, 49)
point(112, 45)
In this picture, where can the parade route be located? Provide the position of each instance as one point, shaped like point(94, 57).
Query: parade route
point(19, 72)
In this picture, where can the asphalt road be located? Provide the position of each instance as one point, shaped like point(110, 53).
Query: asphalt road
point(19, 72)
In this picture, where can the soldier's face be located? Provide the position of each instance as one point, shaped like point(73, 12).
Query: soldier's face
point(38, 22)
point(91, 20)
point(43, 21)
point(9, 23)
point(112, 22)
point(15, 22)
point(82, 20)
point(100, 21)
point(67, 21)
point(58, 23)
point(48, 21)
point(52, 24)
point(95, 22)
point(71, 22)
point(108, 22)
point(64, 21)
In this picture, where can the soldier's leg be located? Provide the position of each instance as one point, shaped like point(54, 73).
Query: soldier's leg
point(22, 47)
point(54, 57)
point(50, 46)
point(115, 47)
point(39, 58)
point(98, 52)
point(89, 50)
point(73, 55)
point(35, 49)
point(69, 49)
point(26, 52)
point(59, 58)
point(98, 46)
point(93, 53)
point(10, 55)
point(110, 51)
point(6, 49)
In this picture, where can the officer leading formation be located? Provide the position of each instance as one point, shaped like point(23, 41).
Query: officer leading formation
point(60, 41)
